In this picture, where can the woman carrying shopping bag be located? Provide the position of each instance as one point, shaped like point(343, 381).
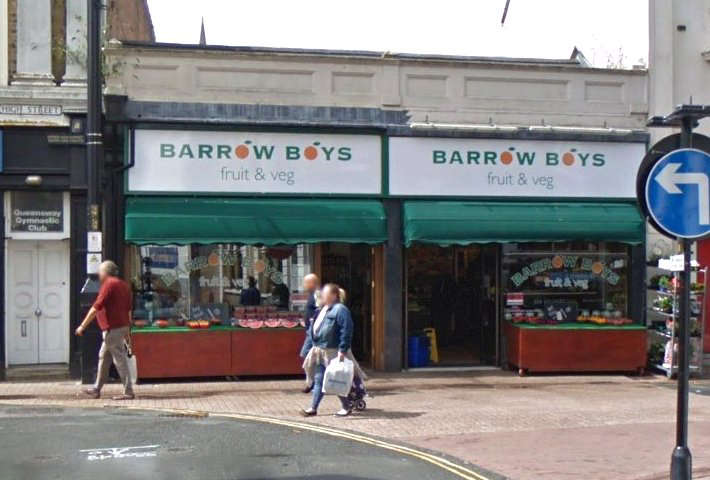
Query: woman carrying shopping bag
point(329, 337)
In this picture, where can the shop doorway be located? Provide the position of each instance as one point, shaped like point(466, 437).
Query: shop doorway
point(350, 266)
point(453, 290)
point(37, 299)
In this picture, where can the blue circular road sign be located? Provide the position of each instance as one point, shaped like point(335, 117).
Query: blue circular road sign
point(678, 193)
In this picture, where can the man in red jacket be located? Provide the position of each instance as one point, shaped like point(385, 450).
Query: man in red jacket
point(112, 309)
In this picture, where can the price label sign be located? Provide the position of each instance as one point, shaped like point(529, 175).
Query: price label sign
point(93, 260)
point(93, 241)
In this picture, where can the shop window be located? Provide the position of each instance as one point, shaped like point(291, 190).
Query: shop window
point(566, 283)
point(222, 284)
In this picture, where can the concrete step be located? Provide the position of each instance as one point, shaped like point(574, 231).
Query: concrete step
point(44, 372)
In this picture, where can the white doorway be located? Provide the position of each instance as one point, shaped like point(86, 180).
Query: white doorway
point(37, 300)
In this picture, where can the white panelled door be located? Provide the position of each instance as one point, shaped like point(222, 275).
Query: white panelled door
point(37, 301)
point(21, 294)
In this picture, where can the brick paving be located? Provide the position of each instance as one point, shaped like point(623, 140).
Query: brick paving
point(552, 427)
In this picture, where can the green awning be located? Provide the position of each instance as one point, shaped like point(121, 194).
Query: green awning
point(462, 223)
point(184, 220)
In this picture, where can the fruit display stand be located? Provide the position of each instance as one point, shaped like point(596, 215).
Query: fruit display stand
point(576, 347)
point(663, 316)
point(216, 351)
point(266, 351)
point(182, 352)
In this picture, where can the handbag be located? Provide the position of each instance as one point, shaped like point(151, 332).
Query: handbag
point(338, 377)
point(132, 362)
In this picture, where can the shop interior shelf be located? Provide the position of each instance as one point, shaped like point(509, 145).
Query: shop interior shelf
point(663, 325)
point(654, 264)
point(694, 294)
point(672, 315)
point(693, 368)
point(666, 334)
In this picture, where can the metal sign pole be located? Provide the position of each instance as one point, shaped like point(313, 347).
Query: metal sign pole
point(94, 162)
point(682, 460)
point(682, 214)
point(94, 127)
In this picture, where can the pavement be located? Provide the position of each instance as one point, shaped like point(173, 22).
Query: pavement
point(552, 427)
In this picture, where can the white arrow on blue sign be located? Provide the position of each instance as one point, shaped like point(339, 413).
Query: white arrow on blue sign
point(678, 193)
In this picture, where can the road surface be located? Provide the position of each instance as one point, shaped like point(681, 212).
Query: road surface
point(106, 444)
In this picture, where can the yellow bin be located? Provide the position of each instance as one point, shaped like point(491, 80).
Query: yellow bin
point(433, 350)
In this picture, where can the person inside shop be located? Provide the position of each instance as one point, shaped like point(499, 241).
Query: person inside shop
point(112, 308)
point(328, 337)
point(311, 286)
point(282, 295)
point(250, 295)
point(443, 300)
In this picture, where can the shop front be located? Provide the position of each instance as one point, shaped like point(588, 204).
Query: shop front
point(220, 227)
point(520, 252)
point(526, 253)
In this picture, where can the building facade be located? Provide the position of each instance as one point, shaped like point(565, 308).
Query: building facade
point(679, 73)
point(488, 201)
point(43, 175)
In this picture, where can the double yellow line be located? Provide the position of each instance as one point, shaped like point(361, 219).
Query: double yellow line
point(458, 470)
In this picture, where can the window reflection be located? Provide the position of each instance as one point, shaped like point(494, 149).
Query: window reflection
point(211, 282)
point(569, 282)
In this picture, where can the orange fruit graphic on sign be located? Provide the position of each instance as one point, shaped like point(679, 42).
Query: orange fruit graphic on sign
point(568, 159)
point(259, 266)
point(213, 259)
point(597, 268)
point(557, 262)
point(506, 158)
point(310, 152)
point(242, 151)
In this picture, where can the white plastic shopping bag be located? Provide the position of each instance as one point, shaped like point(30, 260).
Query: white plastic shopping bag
point(132, 363)
point(338, 377)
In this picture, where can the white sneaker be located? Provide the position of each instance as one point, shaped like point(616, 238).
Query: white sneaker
point(343, 413)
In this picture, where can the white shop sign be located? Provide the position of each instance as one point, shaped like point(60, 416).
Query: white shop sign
point(255, 162)
point(512, 168)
